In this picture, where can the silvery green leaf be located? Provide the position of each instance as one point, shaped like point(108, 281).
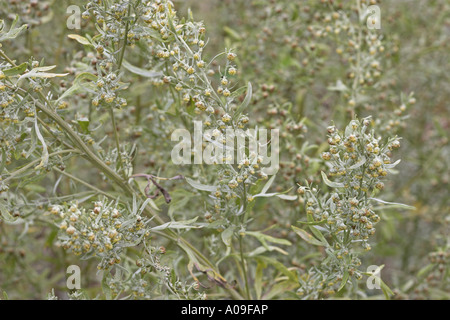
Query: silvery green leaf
point(6, 216)
point(80, 39)
point(84, 82)
point(152, 204)
point(139, 71)
point(279, 195)
point(312, 223)
point(264, 237)
point(307, 237)
point(331, 183)
point(268, 184)
point(392, 165)
point(16, 70)
point(199, 186)
point(45, 155)
point(263, 249)
point(41, 72)
point(13, 31)
point(348, 130)
point(358, 164)
point(177, 225)
point(344, 280)
point(244, 103)
point(287, 197)
point(394, 204)
point(227, 235)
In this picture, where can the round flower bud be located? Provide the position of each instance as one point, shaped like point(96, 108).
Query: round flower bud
point(231, 56)
point(70, 230)
point(326, 156)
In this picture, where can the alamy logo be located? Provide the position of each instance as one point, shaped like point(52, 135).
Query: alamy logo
point(374, 281)
point(230, 147)
point(373, 14)
point(74, 280)
point(74, 20)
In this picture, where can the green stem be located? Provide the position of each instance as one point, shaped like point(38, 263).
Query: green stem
point(4, 56)
point(73, 136)
point(36, 162)
point(48, 130)
point(358, 60)
point(241, 246)
point(116, 138)
point(244, 270)
point(125, 40)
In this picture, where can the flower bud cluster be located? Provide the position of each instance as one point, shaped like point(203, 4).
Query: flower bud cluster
point(103, 231)
point(178, 51)
point(358, 161)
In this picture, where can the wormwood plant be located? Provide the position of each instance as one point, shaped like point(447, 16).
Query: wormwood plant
point(359, 160)
point(86, 149)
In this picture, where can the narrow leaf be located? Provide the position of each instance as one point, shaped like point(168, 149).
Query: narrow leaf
point(313, 223)
point(82, 83)
point(344, 280)
point(306, 236)
point(331, 183)
point(279, 195)
point(45, 155)
point(227, 235)
point(264, 237)
point(358, 164)
point(199, 186)
point(315, 230)
point(13, 31)
point(245, 103)
point(80, 39)
point(268, 184)
point(258, 279)
point(392, 165)
point(394, 204)
point(5, 213)
point(105, 287)
point(141, 72)
point(386, 290)
point(177, 225)
point(279, 266)
point(16, 70)
point(287, 197)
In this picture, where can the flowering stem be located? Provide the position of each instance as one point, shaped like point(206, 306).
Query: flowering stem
point(241, 247)
point(125, 40)
point(4, 56)
point(244, 270)
point(116, 138)
point(35, 162)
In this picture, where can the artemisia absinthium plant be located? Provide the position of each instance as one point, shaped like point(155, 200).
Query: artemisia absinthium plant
point(208, 95)
point(322, 35)
point(106, 229)
point(192, 87)
point(105, 232)
point(358, 161)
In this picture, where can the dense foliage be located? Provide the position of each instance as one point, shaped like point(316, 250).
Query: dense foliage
point(91, 93)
